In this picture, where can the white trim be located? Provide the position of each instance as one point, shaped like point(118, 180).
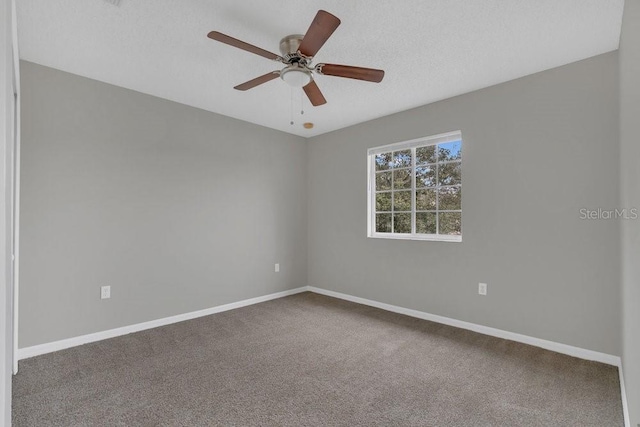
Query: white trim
point(581, 353)
point(417, 236)
point(578, 352)
point(16, 185)
point(623, 393)
point(370, 219)
point(37, 350)
point(427, 140)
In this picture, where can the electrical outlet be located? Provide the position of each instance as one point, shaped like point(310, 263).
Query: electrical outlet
point(277, 268)
point(105, 292)
point(482, 288)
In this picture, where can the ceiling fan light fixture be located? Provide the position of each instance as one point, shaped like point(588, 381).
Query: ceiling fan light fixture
point(296, 76)
point(298, 52)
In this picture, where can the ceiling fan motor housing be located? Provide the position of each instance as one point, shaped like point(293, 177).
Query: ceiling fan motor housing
point(289, 47)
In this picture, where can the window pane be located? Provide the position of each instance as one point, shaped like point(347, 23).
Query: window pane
point(426, 154)
point(449, 198)
point(402, 159)
point(425, 200)
point(402, 178)
point(449, 173)
point(383, 161)
point(383, 181)
point(383, 202)
point(450, 223)
point(450, 151)
point(402, 223)
point(402, 200)
point(426, 222)
point(426, 176)
point(383, 223)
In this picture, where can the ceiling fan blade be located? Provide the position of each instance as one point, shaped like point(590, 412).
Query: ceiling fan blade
point(223, 38)
point(258, 81)
point(313, 93)
point(323, 25)
point(358, 73)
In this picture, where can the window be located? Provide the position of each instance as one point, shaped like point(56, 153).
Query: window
point(415, 189)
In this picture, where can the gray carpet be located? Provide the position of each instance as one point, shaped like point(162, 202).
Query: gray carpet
point(311, 360)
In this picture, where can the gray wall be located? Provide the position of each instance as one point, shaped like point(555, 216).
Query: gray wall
point(176, 208)
point(179, 209)
point(630, 191)
point(536, 151)
point(6, 144)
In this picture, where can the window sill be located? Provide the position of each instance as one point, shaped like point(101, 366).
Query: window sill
point(428, 237)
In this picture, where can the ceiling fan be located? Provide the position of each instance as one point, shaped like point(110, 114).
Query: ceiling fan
point(297, 54)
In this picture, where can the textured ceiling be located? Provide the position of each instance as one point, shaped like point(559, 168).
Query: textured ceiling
point(430, 49)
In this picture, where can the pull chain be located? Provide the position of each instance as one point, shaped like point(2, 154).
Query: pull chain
point(301, 103)
point(291, 107)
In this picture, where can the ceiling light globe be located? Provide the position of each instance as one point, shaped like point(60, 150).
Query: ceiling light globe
point(295, 77)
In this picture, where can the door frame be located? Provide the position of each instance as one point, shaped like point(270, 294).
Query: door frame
point(15, 184)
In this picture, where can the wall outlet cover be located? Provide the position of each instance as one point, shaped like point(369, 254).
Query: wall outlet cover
point(482, 288)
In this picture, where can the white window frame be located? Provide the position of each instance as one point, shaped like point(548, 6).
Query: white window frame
point(371, 190)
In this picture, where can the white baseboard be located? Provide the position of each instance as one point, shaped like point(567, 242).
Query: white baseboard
point(581, 353)
point(625, 405)
point(36, 350)
point(578, 352)
point(499, 333)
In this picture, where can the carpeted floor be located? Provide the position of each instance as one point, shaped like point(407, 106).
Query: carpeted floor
point(311, 360)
